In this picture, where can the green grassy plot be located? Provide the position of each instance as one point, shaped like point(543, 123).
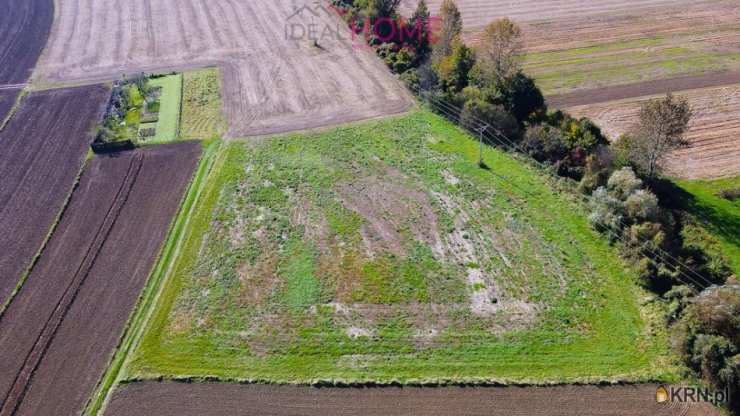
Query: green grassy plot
point(166, 125)
point(720, 217)
point(381, 252)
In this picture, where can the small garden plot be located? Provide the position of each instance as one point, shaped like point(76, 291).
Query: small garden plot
point(382, 252)
point(161, 119)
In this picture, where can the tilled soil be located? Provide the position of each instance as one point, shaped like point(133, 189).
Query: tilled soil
point(24, 29)
point(640, 89)
point(41, 152)
point(275, 79)
point(211, 399)
point(63, 326)
point(7, 100)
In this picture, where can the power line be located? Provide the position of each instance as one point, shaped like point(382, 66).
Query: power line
point(452, 111)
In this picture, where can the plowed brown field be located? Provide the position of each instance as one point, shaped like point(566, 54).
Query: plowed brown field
point(24, 28)
point(63, 326)
point(714, 130)
point(271, 83)
point(7, 100)
point(153, 399)
point(41, 152)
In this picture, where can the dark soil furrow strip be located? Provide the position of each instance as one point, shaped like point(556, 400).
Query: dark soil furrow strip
point(149, 398)
point(86, 340)
point(642, 89)
point(15, 396)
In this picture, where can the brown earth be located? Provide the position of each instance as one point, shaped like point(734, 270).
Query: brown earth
point(24, 28)
point(478, 13)
point(714, 149)
point(43, 148)
point(271, 82)
point(62, 328)
point(7, 100)
point(641, 89)
point(211, 399)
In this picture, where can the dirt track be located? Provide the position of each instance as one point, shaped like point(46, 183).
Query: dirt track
point(24, 28)
point(153, 399)
point(43, 148)
point(641, 89)
point(60, 331)
point(271, 83)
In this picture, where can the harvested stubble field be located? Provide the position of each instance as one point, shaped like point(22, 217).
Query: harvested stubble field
point(715, 149)
point(43, 149)
point(61, 329)
point(313, 257)
point(273, 83)
point(24, 29)
point(576, 45)
point(196, 399)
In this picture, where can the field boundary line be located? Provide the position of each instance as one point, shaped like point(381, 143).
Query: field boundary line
point(34, 357)
point(156, 281)
point(14, 109)
point(62, 211)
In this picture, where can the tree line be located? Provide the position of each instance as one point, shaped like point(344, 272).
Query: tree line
point(630, 201)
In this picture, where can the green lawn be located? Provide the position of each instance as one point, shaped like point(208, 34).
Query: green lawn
point(719, 216)
point(169, 111)
point(381, 252)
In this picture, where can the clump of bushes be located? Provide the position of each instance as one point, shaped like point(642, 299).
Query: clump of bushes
point(124, 111)
point(486, 85)
point(708, 338)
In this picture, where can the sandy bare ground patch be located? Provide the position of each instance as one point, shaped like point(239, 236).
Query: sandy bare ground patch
point(713, 133)
point(273, 82)
point(210, 399)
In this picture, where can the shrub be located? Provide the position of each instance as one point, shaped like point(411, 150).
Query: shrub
point(544, 143)
point(453, 70)
point(623, 183)
point(730, 194)
point(522, 97)
point(642, 205)
point(599, 166)
point(476, 111)
point(606, 213)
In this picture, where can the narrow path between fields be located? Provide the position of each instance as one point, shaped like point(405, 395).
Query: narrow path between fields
point(641, 89)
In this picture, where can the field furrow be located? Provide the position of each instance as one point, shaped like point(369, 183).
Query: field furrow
point(276, 82)
point(43, 148)
point(213, 399)
point(714, 149)
point(68, 295)
point(61, 329)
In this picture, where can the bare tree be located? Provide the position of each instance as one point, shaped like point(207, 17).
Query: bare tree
point(501, 48)
point(663, 123)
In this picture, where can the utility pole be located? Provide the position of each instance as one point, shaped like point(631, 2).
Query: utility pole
point(482, 129)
